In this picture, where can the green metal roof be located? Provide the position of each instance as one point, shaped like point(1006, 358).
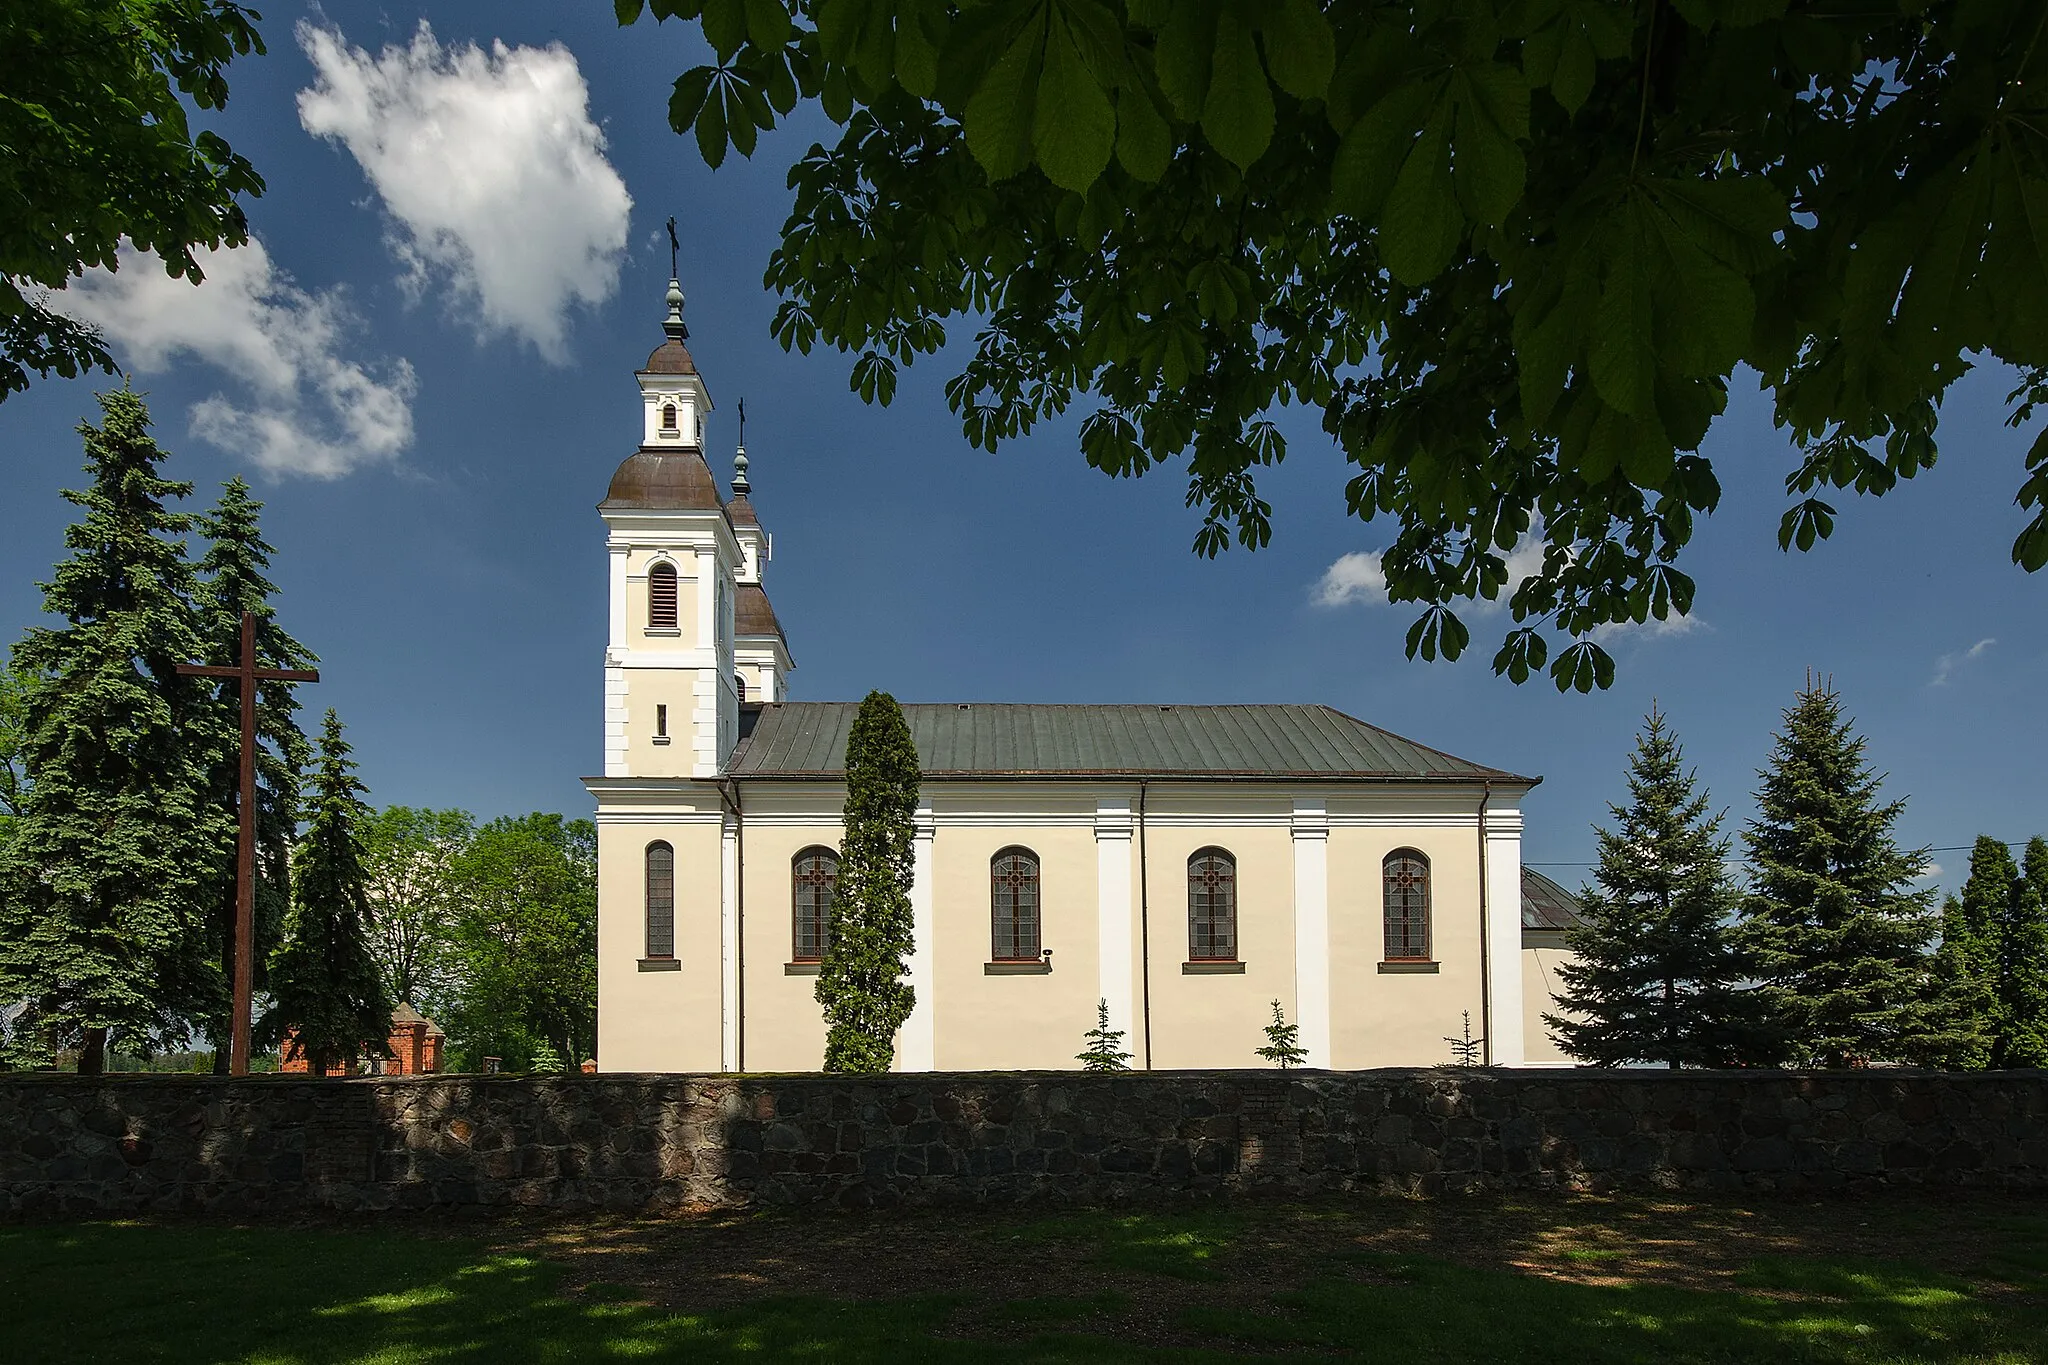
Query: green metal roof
point(1545, 904)
point(999, 739)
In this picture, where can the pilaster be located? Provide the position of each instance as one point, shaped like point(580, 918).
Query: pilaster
point(1311, 830)
point(729, 944)
point(1115, 954)
point(1503, 835)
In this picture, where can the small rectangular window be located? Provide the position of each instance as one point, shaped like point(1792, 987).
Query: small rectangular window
point(661, 721)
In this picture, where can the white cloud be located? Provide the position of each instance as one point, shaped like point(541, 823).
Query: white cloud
point(492, 172)
point(1361, 577)
point(1357, 577)
point(314, 411)
point(1947, 664)
point(1933, 871)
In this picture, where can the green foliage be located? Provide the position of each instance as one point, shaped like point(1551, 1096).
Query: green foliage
point(860, 982)
point(1465, 1049)
point(1655, 974)
point(1513, 250)
point(13, 744)
point(1105, 1050)
point(412, 868)
point(1283, 1047)
point(2023, 966)
point(323, 981)
point(547, 1061)
point(110, 866)
point(526, 942)
point(233, 580)
point(1992, 967)
point(1839, 941)
point(95, 101)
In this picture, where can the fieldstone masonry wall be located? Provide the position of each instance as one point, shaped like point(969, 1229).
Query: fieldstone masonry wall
point(73, 1144)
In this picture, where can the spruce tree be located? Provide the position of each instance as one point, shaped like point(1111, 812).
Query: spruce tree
point(1839, 938)
point(118, 839)
point(2023, 966)
point(1655, 974)
point(1105, 1050)
point(860, 982)
point(233, 581)
point(324, 981)
point(1283, 1042)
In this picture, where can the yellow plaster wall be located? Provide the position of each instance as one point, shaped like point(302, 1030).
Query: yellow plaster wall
point(658, 1021)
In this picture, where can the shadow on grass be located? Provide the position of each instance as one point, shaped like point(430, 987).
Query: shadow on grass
point(281, 1296)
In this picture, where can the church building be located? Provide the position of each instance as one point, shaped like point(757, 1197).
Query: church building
point(1187, 865)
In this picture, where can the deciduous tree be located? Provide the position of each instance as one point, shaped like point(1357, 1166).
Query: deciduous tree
point(527, 942)
point(1513, 251)
point(1655, 974)
point(1838, 933)
point(97, 145)
point(860, 982)
point(114, 853)
point(328, 1002)
point(412, 862)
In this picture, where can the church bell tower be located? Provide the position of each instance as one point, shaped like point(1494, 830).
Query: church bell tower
point(671, 689)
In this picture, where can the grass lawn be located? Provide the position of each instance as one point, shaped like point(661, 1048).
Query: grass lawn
point(1585, 1281)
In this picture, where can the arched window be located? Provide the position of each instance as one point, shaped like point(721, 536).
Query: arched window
point(1013, 905)
point(661, 900)
point(668, 416)
point(1212, 906)
point(661, 597)
point(1406, 874)
point(739, 685)
point(814, 878)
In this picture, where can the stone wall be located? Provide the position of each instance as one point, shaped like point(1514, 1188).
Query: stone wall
point(72, 1144)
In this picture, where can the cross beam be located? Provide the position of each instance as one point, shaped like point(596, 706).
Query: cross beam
point(248, 674)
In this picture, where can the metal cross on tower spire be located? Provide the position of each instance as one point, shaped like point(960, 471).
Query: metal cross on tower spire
point(740, 486)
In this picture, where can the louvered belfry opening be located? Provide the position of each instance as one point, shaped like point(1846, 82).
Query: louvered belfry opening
point(1212, 906)
point(816, 881)
point(661, 597)
point(661, 901)
point(1013, 877)
point(1406, 873)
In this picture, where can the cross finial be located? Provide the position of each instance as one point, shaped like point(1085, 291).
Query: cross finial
point(739, 460)
point(673, 323)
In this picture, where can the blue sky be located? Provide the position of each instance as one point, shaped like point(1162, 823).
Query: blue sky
point(427, 372)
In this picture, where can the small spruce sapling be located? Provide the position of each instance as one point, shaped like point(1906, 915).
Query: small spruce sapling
point(1466, 1050)
point(1282, 1046)
point(1105, 1050)
point(546, 1060)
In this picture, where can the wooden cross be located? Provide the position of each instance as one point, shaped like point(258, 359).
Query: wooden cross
point(248, 674)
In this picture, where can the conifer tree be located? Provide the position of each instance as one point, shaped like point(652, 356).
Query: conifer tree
point(324, 982)
point(1839, 939)
point(1283, 1042)
point(1656, 975)
point(233, 581)
point(2022, 966)
point(860, 982)
point(118, 839)
point(1966, 965)
point(1105, 1050)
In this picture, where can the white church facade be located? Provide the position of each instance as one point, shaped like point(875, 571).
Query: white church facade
point(1188, 865)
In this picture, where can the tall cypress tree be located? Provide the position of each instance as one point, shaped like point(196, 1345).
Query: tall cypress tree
point(2022, 966)
point(1839, 937)
point(860, 982)
point(233, 580)
point(324, 981)
point(1656, 975)
point(117, 840)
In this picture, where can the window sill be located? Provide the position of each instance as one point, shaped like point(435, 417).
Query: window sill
point(661, 964)
point(1027, 968)
point(666, 632)
point(1406, 966)
point(801, 968)
point(1212, 968)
